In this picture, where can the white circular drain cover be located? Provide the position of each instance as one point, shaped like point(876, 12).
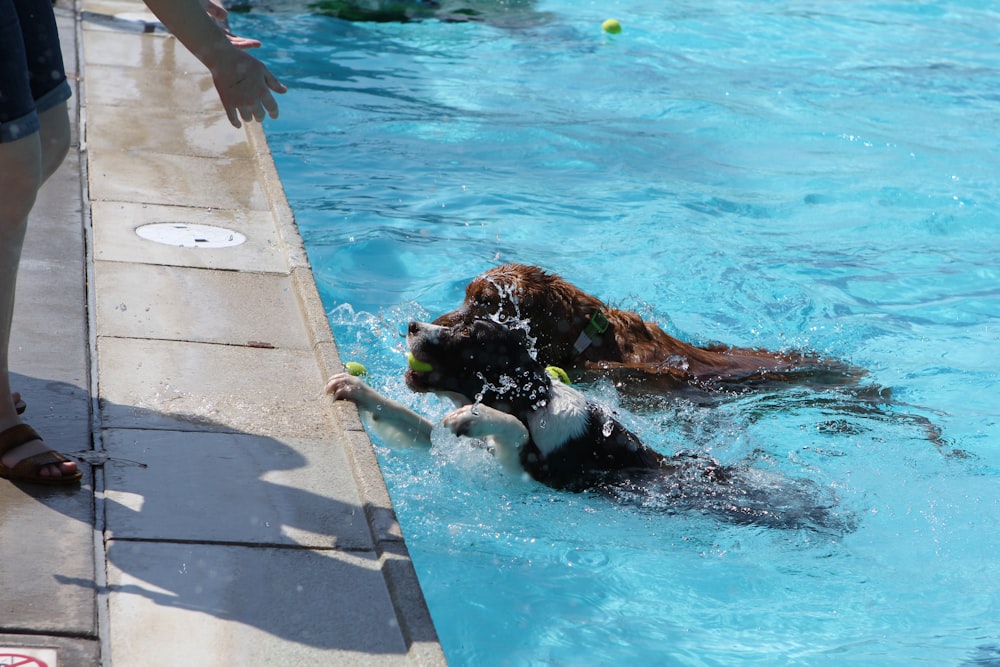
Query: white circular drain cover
point(188, 235)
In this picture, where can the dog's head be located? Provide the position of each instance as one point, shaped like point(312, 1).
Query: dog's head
point(553, 310)
point(482, 360)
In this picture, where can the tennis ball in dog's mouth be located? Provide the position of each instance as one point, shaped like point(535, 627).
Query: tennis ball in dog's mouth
point(417, 365)
point(356, 369)
point(611, 26)
point(558, 374)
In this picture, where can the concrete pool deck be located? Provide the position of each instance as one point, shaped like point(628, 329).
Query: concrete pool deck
point(231, 514)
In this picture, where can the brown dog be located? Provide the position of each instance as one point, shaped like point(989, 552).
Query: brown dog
point(576, 331)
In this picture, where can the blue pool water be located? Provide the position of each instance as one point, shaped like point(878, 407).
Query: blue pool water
point(793, 175)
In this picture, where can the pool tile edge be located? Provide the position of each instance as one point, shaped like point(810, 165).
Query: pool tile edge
point(397, 566)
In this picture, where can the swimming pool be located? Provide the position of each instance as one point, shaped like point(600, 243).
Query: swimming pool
point(795, 175)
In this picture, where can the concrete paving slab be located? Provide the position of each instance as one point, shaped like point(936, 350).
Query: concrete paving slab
point(120, 50)
point(197, 386)
point(236, 605)
point(114, 7)
point(46, 559)
point(166, 131)
point(176, 180)
point(134, 9)
point(115, 237)
point(198, 305)
point(158, 77)
point(228, 487)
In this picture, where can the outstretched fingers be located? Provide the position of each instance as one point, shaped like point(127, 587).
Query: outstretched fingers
point(245, 88)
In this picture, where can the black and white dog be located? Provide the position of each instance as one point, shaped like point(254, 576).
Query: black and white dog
point(560, 437)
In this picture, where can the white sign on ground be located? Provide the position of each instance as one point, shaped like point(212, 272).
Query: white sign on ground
point(27, 657)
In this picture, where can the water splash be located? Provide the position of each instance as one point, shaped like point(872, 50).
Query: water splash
point(508, 295)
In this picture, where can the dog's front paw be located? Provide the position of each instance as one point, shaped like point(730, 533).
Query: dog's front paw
point(505, 432)
point(347, 387)
point(466, 420)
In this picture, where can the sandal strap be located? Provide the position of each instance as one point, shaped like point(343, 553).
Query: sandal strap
point(29, 467)
point(16, 436)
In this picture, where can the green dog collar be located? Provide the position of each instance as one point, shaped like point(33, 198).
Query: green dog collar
point(597, 325)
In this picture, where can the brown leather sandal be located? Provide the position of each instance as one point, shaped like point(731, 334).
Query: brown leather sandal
point(27, 469)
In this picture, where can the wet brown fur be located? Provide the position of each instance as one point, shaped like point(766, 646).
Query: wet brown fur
point(631, 349)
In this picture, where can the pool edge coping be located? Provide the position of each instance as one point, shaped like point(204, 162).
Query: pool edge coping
point(397, 568)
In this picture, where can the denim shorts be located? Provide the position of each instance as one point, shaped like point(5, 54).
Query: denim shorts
point(32, 76)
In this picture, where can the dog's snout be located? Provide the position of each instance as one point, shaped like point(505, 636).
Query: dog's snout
point(423, 333)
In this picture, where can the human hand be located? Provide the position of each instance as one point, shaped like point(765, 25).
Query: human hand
point(245, 85)
point(221, 16)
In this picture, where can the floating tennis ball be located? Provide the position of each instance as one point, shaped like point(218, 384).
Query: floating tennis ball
point(611, 26)
point(558, 374)
point(417, 365)
point(356, 369)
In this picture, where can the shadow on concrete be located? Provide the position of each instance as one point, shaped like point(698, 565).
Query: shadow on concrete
point(231, 526)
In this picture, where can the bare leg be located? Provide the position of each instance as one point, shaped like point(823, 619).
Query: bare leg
point(25, 164)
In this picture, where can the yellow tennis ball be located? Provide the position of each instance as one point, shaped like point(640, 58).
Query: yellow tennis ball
point(354, 368)
point(417, 365)
point(611, 26)
point(558, 374)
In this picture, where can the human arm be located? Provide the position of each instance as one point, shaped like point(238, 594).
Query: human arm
point(243, 83)
point(221, 16)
